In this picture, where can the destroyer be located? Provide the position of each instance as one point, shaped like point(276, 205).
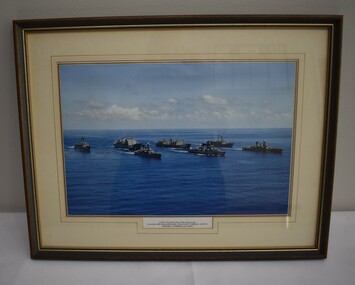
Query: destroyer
point(219, 142)
point(82, 146)
point(127, 143)
point(206, 150)
point(177, 143)
point(262, 147)
point(146, 151)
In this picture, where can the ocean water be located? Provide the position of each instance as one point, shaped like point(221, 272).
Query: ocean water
point(109, 181)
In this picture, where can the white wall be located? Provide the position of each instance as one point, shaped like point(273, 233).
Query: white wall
point(11, 178)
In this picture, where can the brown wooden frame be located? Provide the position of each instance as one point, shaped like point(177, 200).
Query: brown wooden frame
point(334, 24)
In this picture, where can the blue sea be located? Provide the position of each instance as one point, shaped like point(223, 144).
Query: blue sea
point(110, 181)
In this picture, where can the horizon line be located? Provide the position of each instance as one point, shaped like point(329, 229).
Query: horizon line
point(155, 129)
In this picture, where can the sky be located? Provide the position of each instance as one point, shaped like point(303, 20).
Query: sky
point(177, 95)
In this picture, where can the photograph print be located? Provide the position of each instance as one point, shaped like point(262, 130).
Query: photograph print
point(178, 138)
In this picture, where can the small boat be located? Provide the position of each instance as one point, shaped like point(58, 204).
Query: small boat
point(262, 147)
point(177, 143)
point(219, 142)
point(127, 143)
point(147, 152)
point(206, 150)
point(83, 146)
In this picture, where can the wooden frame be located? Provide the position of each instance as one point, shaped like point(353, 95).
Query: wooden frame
point(39, 117)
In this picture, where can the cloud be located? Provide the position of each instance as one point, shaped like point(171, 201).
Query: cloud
point(124, 113)
point(94, 105)
point(155, 114)
point(214, 100)
point(268, 111)
point(100, 112)
point(195, 115)
point(172, 100)
point(233, 114)
point(216, 114)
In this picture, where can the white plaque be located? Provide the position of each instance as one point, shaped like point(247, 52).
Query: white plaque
point(180, 222)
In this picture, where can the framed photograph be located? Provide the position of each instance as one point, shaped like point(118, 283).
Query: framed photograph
point(178, 137)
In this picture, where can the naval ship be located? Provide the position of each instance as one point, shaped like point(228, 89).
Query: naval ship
point(262, 147)
point(176, 143)
point(219, 142)
point(82, 146)
point(206, 150)
point(127, 143)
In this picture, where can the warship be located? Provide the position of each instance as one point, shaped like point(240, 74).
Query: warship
point(219, 142)
point(206, 150)
point(262, 147)
point(146, 151)
point(177, 143)
point(127, 143)
point(82, 146)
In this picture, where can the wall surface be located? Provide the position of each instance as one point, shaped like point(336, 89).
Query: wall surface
point(11, 178)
